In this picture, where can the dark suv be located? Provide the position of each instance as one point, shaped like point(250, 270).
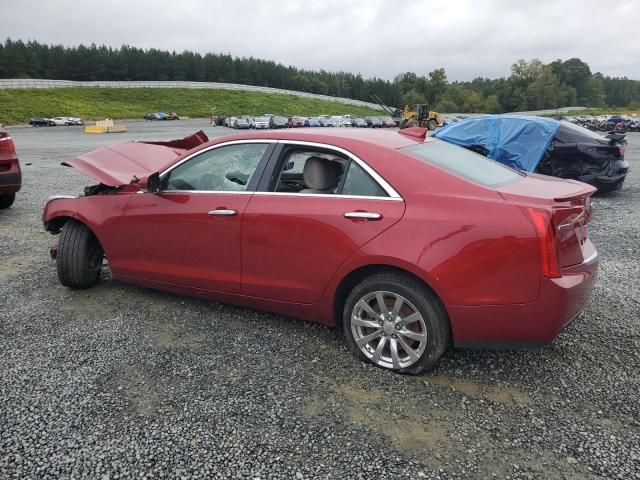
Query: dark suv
point(10, 174)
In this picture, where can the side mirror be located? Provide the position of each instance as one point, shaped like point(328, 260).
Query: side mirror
point(151, 183)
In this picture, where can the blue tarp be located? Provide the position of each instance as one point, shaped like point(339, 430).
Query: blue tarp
point(514, 140)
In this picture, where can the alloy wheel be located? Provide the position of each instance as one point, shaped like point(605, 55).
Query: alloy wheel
point(389, 330)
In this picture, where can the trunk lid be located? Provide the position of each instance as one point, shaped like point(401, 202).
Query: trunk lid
point(119, 164)
point(543, 189)
point(559, 210)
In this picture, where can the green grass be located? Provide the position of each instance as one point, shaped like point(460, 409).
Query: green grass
point(18, 105)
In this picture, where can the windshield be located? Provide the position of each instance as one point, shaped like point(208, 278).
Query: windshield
point(261, 119)
point(463, 163)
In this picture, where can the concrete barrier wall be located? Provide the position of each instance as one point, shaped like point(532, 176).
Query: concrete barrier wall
point(36, 83)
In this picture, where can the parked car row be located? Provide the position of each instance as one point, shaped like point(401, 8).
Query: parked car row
point(55, 121)
point(293, 121)
point(161, 116)
point(605, 123)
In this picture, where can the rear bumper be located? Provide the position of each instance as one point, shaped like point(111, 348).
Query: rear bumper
point(10, 181)
point(608, 180)
point(527, 325)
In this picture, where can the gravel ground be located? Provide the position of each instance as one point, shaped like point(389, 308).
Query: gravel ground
point(120, 381)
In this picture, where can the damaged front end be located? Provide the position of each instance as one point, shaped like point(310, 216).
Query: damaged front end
point(121, 168)
point(118, 164)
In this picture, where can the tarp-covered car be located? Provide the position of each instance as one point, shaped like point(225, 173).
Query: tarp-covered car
point(542, 145)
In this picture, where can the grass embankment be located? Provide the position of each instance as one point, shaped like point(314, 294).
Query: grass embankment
point(17, 106)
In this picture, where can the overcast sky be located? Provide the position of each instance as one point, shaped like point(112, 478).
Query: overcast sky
point(469, 38)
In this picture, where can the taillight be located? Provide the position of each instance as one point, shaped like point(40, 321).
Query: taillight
point(621, 151)
point(6, 144)
point(546, 233)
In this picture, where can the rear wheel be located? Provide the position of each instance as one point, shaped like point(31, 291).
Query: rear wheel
point(80, 256)
point(7, 200)
point(394, 321)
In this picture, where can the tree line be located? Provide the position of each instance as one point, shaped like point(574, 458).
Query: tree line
point(532, 84)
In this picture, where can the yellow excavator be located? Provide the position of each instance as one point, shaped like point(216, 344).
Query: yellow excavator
point(422, 116)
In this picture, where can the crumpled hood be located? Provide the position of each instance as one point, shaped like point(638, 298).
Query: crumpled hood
point(118, 164)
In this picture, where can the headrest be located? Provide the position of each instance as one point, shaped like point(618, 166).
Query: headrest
point(319, 173)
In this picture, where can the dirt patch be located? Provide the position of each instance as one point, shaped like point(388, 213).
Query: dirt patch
point(378, 411)
point(495, 393)
point(13, 266)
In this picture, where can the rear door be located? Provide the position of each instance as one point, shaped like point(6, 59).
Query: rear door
point(293, 242)
point(189, 233)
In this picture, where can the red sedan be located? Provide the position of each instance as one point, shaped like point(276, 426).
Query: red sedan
point(405, 243)
point(10, 174)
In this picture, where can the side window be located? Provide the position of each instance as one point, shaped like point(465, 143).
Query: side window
point(222, 169)
point(308, 171)
point(359, 182)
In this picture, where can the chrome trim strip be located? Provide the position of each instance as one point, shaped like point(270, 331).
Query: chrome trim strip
point(327, 195)
point(591, 259)
point(278, 194)
point(238, 192)
point(393, 194)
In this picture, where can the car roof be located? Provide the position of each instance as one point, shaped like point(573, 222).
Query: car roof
point(338, 137)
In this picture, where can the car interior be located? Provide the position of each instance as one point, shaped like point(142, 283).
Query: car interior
point(311, 172)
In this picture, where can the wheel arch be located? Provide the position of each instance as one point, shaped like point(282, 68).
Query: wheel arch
point(355, 276)
point(55, 224)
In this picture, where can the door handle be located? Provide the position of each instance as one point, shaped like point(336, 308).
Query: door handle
point(363, 215)
point(223, 212)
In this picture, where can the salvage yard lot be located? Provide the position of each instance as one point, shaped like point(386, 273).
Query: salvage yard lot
point(125, 380)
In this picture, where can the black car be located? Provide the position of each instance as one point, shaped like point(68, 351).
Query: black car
point(41, 122)
point(358, 123)
point(373, 122)
point(580, 154)
point(542, 145)
point(278, 122)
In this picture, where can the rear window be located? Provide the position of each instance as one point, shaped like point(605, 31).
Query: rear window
point(463, 163)
point(570, 133)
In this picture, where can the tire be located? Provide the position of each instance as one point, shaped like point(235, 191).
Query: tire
point(7, 200)
point(432, 124)
point(403, 124)
point(80, 256)
point(413, 123)
point(431, 320)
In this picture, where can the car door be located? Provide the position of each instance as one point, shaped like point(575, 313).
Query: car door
point(292, 243)
point(188, 234)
